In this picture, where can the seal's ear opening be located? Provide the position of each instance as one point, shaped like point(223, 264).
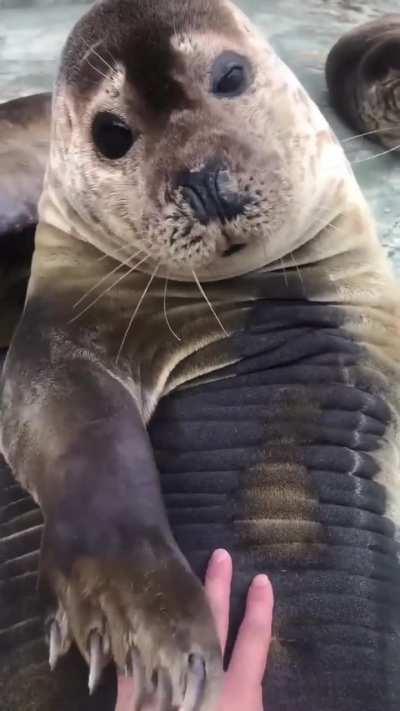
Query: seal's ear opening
point(24, 145)
point(382, 59)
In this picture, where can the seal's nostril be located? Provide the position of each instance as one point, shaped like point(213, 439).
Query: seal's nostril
point(207, 192)
point(232, 203)
point(198, 202)
point(222, 182)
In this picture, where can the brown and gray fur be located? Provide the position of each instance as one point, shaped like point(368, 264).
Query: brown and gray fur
point(271, 427)
point(24, 148)
point(363, 76)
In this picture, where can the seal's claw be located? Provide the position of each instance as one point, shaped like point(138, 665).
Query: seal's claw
point(54, 644)
point(161, 696)
point(152, 621)
point(97, 659)
point(196, 679)
point(58, 637)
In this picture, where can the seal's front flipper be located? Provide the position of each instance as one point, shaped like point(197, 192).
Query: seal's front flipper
point(123, 592)
point(24, 145)
point(116, 582)
point(25, 677)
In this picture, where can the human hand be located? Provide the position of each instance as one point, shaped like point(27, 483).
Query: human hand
point(242, 685)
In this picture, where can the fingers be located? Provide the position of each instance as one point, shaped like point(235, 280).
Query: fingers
point(218, 590)
point(218, 587)
point(249, 657)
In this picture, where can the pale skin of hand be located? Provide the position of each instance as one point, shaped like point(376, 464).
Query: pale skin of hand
point(242, 686)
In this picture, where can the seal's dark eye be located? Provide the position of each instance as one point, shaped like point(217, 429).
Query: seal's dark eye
point(230, 75)
point(232, 82)
point(111, 135)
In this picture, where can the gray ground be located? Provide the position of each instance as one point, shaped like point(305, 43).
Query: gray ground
point(302, 31)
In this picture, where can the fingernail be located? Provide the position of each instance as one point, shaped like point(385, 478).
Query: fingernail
point(220, 556)
point(261, 581)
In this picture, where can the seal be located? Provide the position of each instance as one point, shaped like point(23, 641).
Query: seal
point(363, 77)
point(24, 147)
point(208, 355)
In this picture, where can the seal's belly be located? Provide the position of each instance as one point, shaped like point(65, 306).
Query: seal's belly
point(279, 461)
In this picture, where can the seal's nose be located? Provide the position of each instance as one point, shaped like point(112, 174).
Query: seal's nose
point(207, 191)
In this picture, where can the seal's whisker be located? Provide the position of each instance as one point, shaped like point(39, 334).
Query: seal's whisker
point(331, 226)
point(166, 314)
point(138, 305)
point(203, 293)
point(110, 54)
point(298, 270)
point(92, 49)
point(96, 286)
point(120, 249)
point(96, 69)
point(285, 276)
point(368, 133)
point(320, 208)
point(106, 291)
point(107, 276)
point(377, 155)
point(319, 221)
point(111, 68)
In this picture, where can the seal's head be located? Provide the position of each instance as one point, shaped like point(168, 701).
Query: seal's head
point(179, 132)
point(363, 76)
